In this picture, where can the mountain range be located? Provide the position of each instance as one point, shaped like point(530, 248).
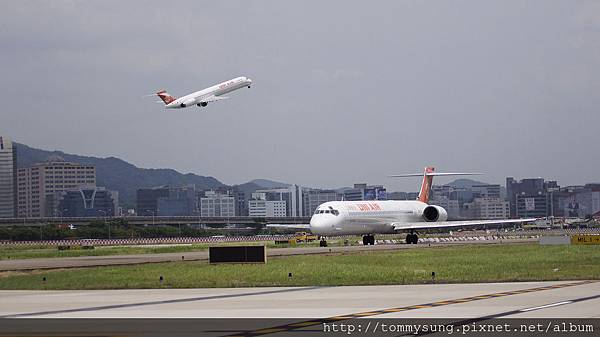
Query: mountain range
point(118, 175)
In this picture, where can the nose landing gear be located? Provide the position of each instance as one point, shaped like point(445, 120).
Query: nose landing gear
point(368, 240)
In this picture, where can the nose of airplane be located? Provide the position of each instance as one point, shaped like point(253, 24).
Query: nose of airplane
point(320, 224)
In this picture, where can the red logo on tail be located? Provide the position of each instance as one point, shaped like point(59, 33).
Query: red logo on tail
point(426, 185)
point(165, 96)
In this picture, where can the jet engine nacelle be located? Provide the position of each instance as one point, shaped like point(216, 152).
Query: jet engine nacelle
point(434, 213)
point(187, 103)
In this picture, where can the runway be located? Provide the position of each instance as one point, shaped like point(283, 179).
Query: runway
point(111, 260)
point(570, 299)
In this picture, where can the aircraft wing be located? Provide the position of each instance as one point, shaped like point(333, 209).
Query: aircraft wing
point(441, 224)
point(295, 226)
point(213, 98)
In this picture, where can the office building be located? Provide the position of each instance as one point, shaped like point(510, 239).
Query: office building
point(577, 201)
point(8, 178)
point(531, 197)
point(313, 198)
point(40, 185)
point(403, 195)
point(266, 208)
point(490, 191)
point(167, 201)
point(181, 201)
point(365, 192)
point(486, 208)
point(217, 204)
point(87, 202)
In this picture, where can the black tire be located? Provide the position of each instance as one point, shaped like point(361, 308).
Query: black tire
point(415, 239)
point(408, 239)
point(372, 240)
point(365, 240)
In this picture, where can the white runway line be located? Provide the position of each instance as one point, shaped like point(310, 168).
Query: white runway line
point(546, 306)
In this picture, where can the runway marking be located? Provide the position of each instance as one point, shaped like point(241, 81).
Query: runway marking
point(546, 306)
point(293, 326)
point(180, 300)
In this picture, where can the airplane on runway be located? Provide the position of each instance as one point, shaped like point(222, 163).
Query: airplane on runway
point(204, 96)
point(371, 217)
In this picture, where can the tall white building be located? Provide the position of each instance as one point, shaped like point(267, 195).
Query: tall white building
point(8, 178)
point(265, 208)
point(292, 197)
point(215, 204)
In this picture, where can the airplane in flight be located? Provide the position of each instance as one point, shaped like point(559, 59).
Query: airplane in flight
point(372, 217)
point(204, 96)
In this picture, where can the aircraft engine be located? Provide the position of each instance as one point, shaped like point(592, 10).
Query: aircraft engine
point(434, 213)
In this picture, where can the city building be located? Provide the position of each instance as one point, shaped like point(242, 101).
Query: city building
point(451, 206)
point(577, 201)
point(147, 200)
point(487, 208)
point(491, 191)
point(87, 202)
point(167, 201)
point(266, 208)
point(403, 195)
point(217, 204)
point(181, 201)
point(8, 179)
point(292, 196)
point(532, 197)
point(41, 185)
point(365, 192)
point(313, 198)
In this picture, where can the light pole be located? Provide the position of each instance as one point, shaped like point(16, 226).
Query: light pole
point(105, 222)
point(150, 210)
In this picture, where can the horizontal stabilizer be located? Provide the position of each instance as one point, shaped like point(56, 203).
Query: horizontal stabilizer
point(442, 224)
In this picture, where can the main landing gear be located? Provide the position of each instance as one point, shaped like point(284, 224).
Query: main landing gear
point(412, 238)
point(323, 242)
point(203, 104)
point(368, 240)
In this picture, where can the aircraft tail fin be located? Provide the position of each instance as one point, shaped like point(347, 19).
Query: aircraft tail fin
point(165, 96)
point(428, 175)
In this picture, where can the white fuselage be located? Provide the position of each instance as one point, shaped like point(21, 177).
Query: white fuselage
point(216, 90)
point(364, 217)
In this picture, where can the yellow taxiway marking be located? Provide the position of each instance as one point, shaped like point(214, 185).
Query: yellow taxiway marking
point(293, 326)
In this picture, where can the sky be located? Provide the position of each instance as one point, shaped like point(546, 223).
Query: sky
point(343, 92)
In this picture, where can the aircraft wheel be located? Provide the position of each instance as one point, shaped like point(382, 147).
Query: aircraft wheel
point(372, 239)
point(408, 239)
point(415, 239)
point(248, 87)
point(365, 240)
point(323, 243)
